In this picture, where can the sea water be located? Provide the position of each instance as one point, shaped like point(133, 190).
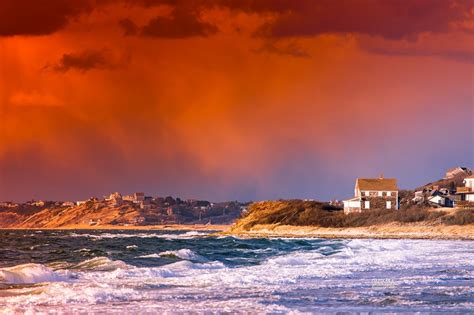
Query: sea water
point(200, 272)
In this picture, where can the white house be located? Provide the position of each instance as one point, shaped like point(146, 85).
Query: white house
point(467, 192)
point(373, 193)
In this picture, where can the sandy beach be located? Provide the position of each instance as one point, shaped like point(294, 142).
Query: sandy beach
point(389, 231)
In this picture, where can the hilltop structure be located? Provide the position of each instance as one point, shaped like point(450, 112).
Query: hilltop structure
point(373, 193)
point(466, 193)
point(458, 171)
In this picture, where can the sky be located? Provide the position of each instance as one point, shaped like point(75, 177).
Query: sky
point(232, 100)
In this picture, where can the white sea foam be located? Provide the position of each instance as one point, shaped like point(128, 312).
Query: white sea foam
point(354, 271)
point(31, 273)
point(187, 235)
point(83, 250)
point(100, 264)
point(185, 254)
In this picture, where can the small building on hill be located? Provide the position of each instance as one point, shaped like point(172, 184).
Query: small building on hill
point(373, 193)
point(439, 198)
point(466, 193)
point(457, 171)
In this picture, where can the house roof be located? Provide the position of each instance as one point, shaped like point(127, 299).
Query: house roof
point(457, 168)
point(471, 176)
point(389, 184)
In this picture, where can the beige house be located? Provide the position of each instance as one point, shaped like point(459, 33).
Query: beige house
point(467, 192)
point(373, 193)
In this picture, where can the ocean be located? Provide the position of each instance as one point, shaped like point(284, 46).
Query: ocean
point(156, 272)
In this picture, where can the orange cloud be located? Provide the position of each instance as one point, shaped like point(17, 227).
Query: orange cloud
point(232, 115)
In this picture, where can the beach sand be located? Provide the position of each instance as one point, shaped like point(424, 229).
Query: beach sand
point(388, 231)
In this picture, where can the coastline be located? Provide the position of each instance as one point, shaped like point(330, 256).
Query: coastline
point(392, 231)
point(164, 227)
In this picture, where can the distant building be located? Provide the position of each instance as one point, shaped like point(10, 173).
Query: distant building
point(466, 193)
point(138, 196)
point(439, 198)
point(8, 204)
point(373, 193)
point(115, 198)
point(128, 198)
point(434, 196)
point(456, 171)
point(82, 202)
point(68, 204)
point(145, 205)
point(39, 203)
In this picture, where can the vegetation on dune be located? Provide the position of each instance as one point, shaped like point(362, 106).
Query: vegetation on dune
point(314, 213)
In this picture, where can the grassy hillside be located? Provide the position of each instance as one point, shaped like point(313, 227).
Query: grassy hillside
point(313, 213)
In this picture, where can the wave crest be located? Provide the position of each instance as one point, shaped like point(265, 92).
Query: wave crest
point(100, 264)
point(30, 273)
point(184, 254)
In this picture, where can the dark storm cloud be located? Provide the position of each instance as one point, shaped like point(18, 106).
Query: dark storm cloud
point(391, 19)
point(182, 23)
point(129, 27)
point(32, 17)
point(289, 49)
point(88, 60)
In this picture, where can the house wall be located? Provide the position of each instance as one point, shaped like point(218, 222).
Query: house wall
point(377, 202)
point(351, 206)
point(351, 210)
point(469, 182)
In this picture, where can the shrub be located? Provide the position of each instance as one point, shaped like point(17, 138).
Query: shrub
point(460, 217)
point(313, 213)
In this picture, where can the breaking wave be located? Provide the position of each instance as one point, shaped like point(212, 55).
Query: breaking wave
point(99, 264)
point(31, 273)
point(185, 254)
point(187, 235)
point(226, 274)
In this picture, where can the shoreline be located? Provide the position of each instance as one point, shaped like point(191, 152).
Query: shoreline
point(463, 232)
point(164, 227)
point(393, 231)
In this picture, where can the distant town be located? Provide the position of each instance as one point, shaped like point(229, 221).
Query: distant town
point(117, 209)
point(456, 189)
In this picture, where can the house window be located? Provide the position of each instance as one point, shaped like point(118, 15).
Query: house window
point(367, 193)
point(367, 204)
point(379, 193)
point(389, 193)
point(389, 204)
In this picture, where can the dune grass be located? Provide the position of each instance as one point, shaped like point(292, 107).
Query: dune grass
point(314, 213)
